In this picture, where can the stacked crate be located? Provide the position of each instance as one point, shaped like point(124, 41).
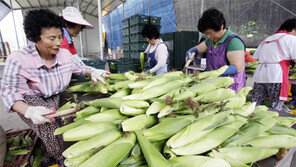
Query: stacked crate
point(179, 43)
point(133, 42)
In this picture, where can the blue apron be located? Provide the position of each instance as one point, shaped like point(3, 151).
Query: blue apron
point(152, 60)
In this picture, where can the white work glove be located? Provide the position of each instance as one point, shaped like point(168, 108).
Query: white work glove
point(99, 75)
point(36, 114)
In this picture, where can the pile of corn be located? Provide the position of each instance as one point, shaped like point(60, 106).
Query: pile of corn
point(173, 120)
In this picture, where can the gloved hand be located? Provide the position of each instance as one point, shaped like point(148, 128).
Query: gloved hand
point(192, 50)
point(98, 74)
point(36, 114)
point(231, 70)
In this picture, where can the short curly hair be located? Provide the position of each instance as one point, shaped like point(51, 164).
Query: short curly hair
point(150, 31)
point(35, 20)
point(211, 19)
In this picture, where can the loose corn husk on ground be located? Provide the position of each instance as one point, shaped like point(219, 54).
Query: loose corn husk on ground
point(179, 120)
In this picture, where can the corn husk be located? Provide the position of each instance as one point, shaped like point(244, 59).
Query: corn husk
point(121, 93)
point(113, 154)
point(107, 116)
point(70, 126)
point(281, 129)
point(232, 162)
point(138, 122)
point(76, 161)
point(153, 157)
point(198, 161)
point(87, 131)
point(211, 140)
point(167, 128)
point(130, 111)
point(158, 90)
point(98, 141)
point(250, 131)
point(116, 102)
point(216, 95)
point(214, 73)
point(195, 131)
point(87, 111)
point(247, 154)
point(273, 141)
point(289, 121)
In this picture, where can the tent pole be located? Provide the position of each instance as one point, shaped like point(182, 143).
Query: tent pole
point(18, 44)
point(100, 28)
point(80, 34)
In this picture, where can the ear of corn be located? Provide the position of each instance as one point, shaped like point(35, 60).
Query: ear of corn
point(289, 121)
point(67, 106)
point(87, 131)
point(246, 110)
point(281, 129)
point(76, 161)
point(167, 128)
point(249, 132)
point(153, 157)
point(134, 161)
point(117, 76)
point(116, 102)
point(247, 154)
point(232, 162)
point(160, 81)
point(272, 141)
point(87, 111)
point(158, 90)
point(113, 154)
point(155, 107)
point(219, 82)
point(106, 116)
point(211, 140)
point(139, 84)
point(198, 161)
point(138, 122)
point(214, 73)
point(98, 141)
point(215, 95)
point(70, 126)
point(130, 111)
point(195, 131)
point(121, 93)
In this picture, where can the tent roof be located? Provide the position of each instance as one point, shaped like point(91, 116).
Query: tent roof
point(89, 7)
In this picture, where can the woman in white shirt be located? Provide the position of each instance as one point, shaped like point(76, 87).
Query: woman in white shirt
point(271, 76)
point(157, 50)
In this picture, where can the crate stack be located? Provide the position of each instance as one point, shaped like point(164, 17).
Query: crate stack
point(179, 43)
point(133, 42)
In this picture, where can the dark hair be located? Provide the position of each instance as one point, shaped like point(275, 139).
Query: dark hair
point(150, 31)
point(72, 25)
point(288, 25)
point(211, 19)
point(35, 20)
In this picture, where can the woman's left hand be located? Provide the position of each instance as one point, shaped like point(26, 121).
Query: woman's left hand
point(99, 75)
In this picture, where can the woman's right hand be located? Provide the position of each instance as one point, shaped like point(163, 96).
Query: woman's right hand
point(37, 114)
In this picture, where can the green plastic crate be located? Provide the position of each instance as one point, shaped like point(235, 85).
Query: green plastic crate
point(126, 39)
point(137, 19)
point(125, 23)
point(138, 46)
point(137, 38)
point(136, 29)
point(125, 31)
point(135, 54)
point(126, 47)
point(122, 65)
point(126, 54)
point(154, 20)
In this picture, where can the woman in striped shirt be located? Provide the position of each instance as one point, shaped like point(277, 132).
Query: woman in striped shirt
point(35, 75)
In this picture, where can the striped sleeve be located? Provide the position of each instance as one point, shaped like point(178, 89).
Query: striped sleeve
point(11, 82)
